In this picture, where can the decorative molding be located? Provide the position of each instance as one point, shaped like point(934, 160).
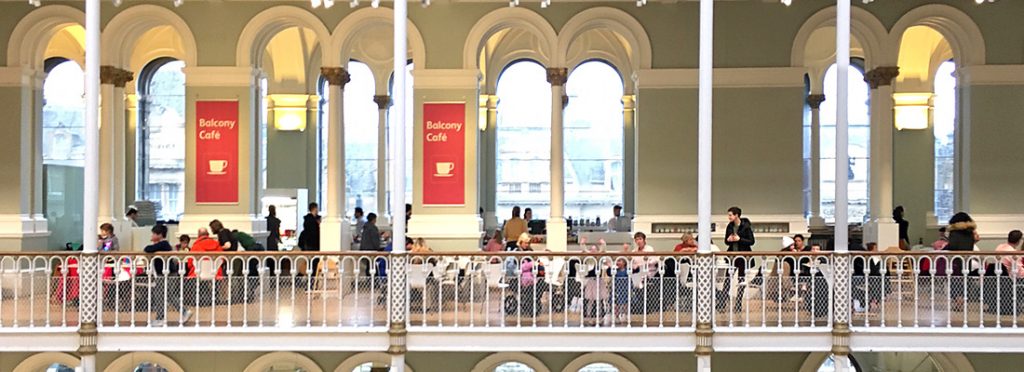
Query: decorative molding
point(446, 79)
point(291, 360)
point(881, 76)
point(116, 76)
point(815, 100)
point(123, 30)
point(262, 28)
point(618, 361)
point(557, 75)
point(219, 76)
point(383, 101)
point(492, 361)
point(996, 226)
point(746, 77)
point(87, 335)
point(336, 76)
point(39, 362)
point(362, 358)
point(129, 361)
point(992, 75)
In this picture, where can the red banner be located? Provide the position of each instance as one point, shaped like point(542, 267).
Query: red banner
point(217, 152)
point(444, 153)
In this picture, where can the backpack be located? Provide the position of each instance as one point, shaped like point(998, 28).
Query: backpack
point(245, 240)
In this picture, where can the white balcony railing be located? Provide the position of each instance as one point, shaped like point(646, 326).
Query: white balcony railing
point(351, 290)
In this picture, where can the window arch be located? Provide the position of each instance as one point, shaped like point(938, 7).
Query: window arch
point(829, 364)
point(510, 362)
point(600, 362)
point(409, 125)
point(63, 137)
point(161, 137)
point(513, 366)
point(360, 118)
point(858, 169)
point(523, 148)
point(595, 143)
point(944, 129)
point(599, 367)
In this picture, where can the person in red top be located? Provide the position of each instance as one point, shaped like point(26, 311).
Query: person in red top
point(206, 244)
point(688, 244)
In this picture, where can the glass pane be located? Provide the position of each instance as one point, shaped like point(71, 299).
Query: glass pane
point(524, 139)
point(593, 141)
point(829, 365)
point(361, 120)
point(163, 129)
point(57, 367)
point(858, 150)
point(513, 367)
point(599, 367)
point(944, 123)
point(149, 367)
point(409, 125)
point(322, 142)
point(64, 115)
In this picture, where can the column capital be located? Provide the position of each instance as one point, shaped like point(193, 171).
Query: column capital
point(881, 76)
point(336, 76)
point(383, 101)
point(116, 76)
point(557, 75)
point(815, 100)
point(87, 339)
point(629, 102)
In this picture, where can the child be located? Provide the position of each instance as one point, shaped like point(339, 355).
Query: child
point(621, 288)
point(183, 242)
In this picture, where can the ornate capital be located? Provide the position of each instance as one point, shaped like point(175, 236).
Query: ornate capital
point(704, 339)
point(383, 101)
point(881, 76)
point(115, 76)
point(815, 100)
point(841, 339)
point(87, 339)
point(336, 76)
point(557, 75)
point(396, 333)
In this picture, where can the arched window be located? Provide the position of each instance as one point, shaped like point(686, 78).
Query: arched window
point(149, 367)
point(409, 125)
point(808, 161)
point(829, 365)
point(63, 137)
point(599, 367)
point(858, 167)
point(944, 119)
point(523, 139)
point(594, 143)
point(264, 109)
point(361, 121)
point(161, 140)
point(513, 367)
point(360, 138)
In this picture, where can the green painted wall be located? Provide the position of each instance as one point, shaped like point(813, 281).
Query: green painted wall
point(997, 125)
point(914, 175)
point(10, 148)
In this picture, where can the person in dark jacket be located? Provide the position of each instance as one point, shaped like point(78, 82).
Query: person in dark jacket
point(904, 225)
point(370, 240)
point(311, 229)
point(963, 233)
point(739, 236)
point(160, 278)
point(274, 229)
point(224, 236)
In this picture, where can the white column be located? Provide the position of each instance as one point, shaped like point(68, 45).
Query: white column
point(112, 145)
point(704, 126)
point(881, 228)
point(629, 154)
point(842, 134)
point(814, 101)
point(91, 184)
point(556, 228)
point(398, 97)
point(490, 138)
point(397, 319)
point(383, 102)
point(334, 234)
point(705, 314)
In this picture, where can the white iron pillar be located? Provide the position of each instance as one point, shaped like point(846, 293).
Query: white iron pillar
point(705, 332)
point(89, 264)
point(398, 290)
point(841, 297)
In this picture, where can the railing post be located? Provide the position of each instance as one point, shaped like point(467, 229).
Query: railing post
point(88, 269)
point(398, 307)
point(841, 309)
point(705, 310)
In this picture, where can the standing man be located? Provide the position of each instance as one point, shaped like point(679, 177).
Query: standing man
point(310, 237)
point(514, 227)
point(618, 223)
point(359, 221)
point(739, 236)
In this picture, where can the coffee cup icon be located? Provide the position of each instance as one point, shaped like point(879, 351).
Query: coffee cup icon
point(217, 166)
point(444, 168)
